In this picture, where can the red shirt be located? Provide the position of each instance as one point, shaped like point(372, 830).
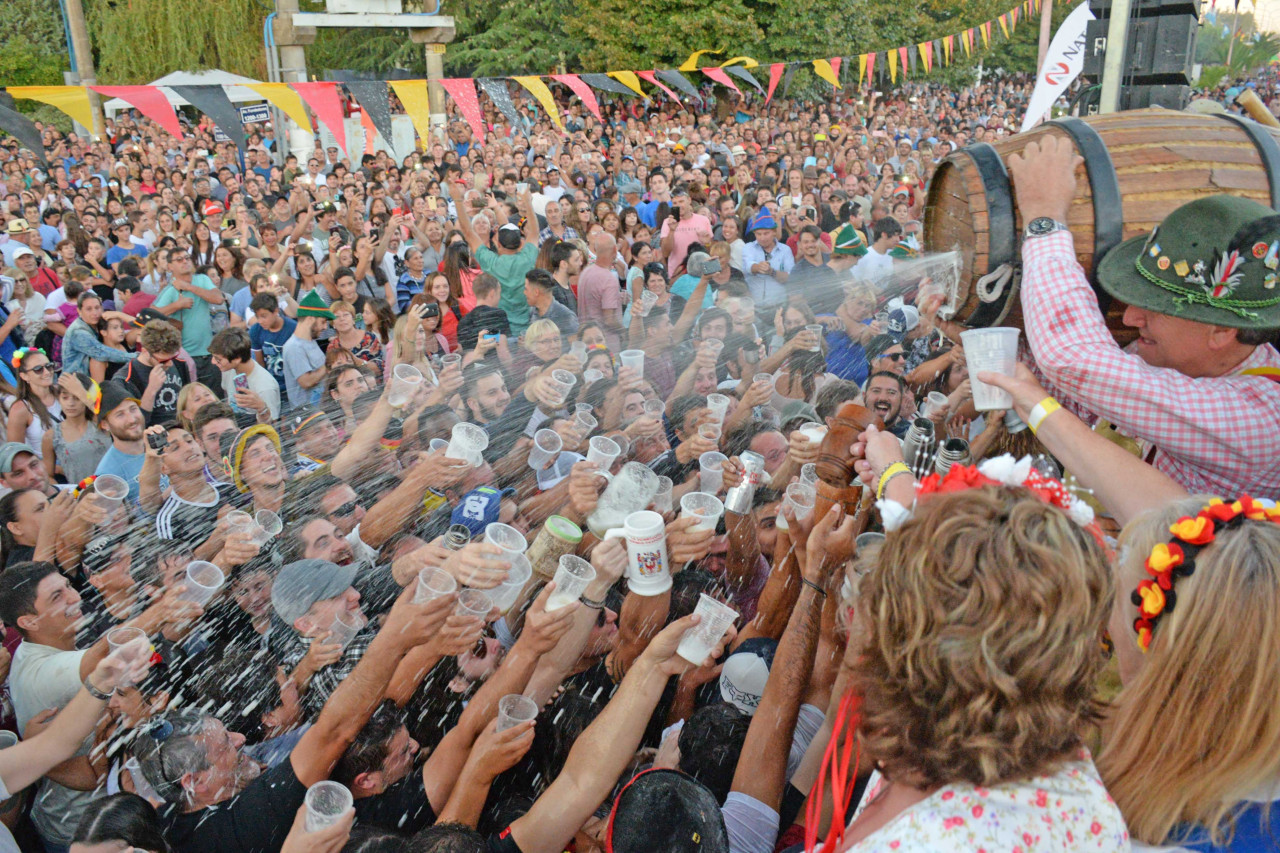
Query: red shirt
point(45, 281)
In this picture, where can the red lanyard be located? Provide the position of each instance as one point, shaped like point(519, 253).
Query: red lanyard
point(835, 762)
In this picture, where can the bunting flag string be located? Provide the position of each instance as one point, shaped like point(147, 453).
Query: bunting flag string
point(310, 104)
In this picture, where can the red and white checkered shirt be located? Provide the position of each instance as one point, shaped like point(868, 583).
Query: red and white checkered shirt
point(1217, 436)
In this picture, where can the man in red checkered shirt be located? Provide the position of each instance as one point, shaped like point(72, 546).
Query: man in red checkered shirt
point(1200, 387)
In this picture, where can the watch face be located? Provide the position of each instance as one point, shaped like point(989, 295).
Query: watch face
point(1041, 226)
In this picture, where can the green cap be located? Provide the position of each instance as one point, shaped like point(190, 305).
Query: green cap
point(1215, 260)
point(848, 241)
point(312, 305)
point(563, 528)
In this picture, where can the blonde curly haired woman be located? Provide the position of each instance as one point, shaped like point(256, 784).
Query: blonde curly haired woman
point(982, 617)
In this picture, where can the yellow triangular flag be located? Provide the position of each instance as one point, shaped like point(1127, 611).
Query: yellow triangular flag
point(540, 91)
point(630, 80)
point(1004, 26)
point(893, 66)
point(822, 67)
point(862, 68)
point(747, 62)
point(285, 99)
point(417, 104)
point(691, 64)
point(72, 100)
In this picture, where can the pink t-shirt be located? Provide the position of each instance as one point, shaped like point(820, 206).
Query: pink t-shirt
point(598, 292)
point(690, 229)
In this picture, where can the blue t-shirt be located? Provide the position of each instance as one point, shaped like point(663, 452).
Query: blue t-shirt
point(240, 302)
point(846, 358)
point(126, 466)
point(271, 345)
point(116, 254)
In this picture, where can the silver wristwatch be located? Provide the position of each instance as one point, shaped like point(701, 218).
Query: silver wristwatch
point(1042, 226)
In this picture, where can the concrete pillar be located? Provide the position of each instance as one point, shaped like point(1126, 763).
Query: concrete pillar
point(292, 43)
point(433, 40)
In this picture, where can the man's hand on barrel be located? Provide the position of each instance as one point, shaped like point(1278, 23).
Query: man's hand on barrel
point(1044, 178)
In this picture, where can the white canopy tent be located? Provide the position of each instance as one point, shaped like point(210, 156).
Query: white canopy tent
point(233, 85)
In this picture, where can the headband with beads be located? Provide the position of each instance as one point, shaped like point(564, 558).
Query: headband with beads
point(22, 352)
point(1169, 561)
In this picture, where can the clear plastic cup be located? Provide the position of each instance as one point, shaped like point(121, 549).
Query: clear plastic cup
point(634, 359)
point(514, 709)
point(238, 521)
point(655, 408)
point(8, 739)
point(438, 444)
point(701, 640)
point(111, 489)
point(584, 423)
point(583, 409)
point(801, 497)
point(763, 379)
point(648, 299)
point(572, 576)
point(814, 433)
point(809, 474)
point(118, 638)
point(345, 627)
point(711, 431)
point(326, 802)
point(603, 452)
point(405, 381)
point(711, 472)
point(714, 345)
point(868, 540)
point(447, 361)
point(267, 526)
point(934, 403)
point(546, 447)
point(475, 603)
point(505, 594)
point(815, 328)
point(506, 537)
point(704, 507)
point(467, 443)
point(592, 376)
point(563, 381)
point(718, 404)
point(662, 500)
point(995, 350)
point(203, 582)
point(433, 583)
point(578, 350)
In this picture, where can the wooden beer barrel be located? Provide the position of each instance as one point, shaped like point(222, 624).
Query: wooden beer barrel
point(1138, 167)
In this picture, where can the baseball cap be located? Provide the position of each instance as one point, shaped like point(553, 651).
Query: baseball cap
point(900, 322)
point(9, 451)
point(100, 552)
point(305, 418)
point(22, 251)
point(304, 582)
point(746, 672)
point(479, 508)
point(798, 409)
point(210, 208)
point(120, 223)
point(691, 819)
point(114, 394)
point(18, 226)
point(630, 188)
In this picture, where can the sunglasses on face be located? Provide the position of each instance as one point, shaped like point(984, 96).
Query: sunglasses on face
point(896, 356)
point(43, 368)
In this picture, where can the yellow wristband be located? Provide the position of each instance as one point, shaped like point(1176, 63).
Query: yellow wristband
point(1043, 409)
point(889, 473)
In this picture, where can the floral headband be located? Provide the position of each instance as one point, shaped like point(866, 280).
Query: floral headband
point(1004, 470)
point(22, 352)
point(1175, 559)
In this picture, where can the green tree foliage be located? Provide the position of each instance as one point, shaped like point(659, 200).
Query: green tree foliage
point(33, 51)
point(515, 37)
point(139, 40)
point(644, 34)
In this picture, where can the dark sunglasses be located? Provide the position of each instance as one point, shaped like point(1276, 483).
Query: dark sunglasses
point(346, 509)
point(41, 369)
point(896, 356)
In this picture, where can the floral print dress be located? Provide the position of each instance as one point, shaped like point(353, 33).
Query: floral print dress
point(1067, 810)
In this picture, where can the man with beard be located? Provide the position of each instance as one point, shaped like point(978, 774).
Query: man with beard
point(194, 764)
point(121, 417)
point(883, 396)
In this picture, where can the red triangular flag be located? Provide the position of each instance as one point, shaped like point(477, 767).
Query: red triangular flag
point(653, 78)
point(326, 102)
point(149, 101)
point(775, 74)
point(582, 90)
point(835, 66)
point(718, 75)
point(463, 92)
point(871, 68)
point(902, 58)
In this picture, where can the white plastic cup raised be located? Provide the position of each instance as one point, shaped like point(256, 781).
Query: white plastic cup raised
point(662, 500)
point(203, 582)
point(8, 739)
point(634, 359)
point(475, 603)
point(326, 802)
point(585, 423)
point(546, 447)
point(934, 403)
point(603, 451)
point(345, 627)
point(514, 709)
point(648, 299)
point(433, 583)
point(438, 444)
point(704, 507)
point(562, 382)
point(467, 441)
point(506, 537)
point(711, 472)
point(809, 474)
point(801, 497)
point(711, 432)
point(817, 331)
point(118, 638)
point(111, 488)
point(813, 433)
point(504, 595)
point(995, 350)
point(267, 526)
point(405, 379)
point(655, 408)
point(700, 640)
point(718, 405)
point(648, 568)
point(572, 576)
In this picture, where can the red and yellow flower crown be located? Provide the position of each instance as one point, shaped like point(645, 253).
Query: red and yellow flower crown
point(1168, 561)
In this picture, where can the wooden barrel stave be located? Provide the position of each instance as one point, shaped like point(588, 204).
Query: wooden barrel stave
point(1160, 159)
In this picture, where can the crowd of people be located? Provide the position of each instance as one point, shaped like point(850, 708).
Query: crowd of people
point(315, 465)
